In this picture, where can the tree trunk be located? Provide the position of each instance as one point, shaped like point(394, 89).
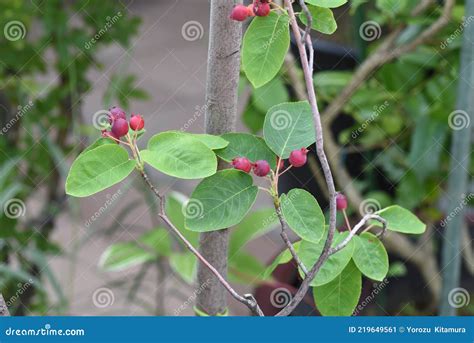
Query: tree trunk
point(457, 183)
point(3, 307)
point(223, 71)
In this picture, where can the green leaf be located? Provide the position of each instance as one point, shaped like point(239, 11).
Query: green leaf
point(303, 214)
point(254, 224)
point(158, 240)
point(310, 252)
point(245, 269)
point(269, 95)
point(246, 145)
point(327, 3)
point(400, 219)
point(124, 255)
point(340, 296)
point(253, 119)
point(370, 256)
point(180, 155)
point(284, 257)
point(220, 201)
point(289, 127)
point(391, 7)
point(98, 169)
point(265, 45)
point(211, 141)
point(185, 265)
point(99, 142)
point(323, 19)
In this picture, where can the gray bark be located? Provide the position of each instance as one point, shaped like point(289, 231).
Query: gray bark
point(3, 307)
point(223, 71)
point(458, 177)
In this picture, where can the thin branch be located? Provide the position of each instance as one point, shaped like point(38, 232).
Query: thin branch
point(322, 159)
point(356, 229)
point(287, 241)
point(246, 299)
point(309, 19)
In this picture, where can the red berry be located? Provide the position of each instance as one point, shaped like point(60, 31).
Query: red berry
point(120, 127)
point(261, 168)
point(136, 122)
point(116, 113)
point(262, 9)
point(239, 13)
point(298, 158)
point(341, 202)
point(242, 163)
point(281, 165)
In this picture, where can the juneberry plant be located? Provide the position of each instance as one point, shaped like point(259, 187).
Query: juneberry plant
point(329, 261)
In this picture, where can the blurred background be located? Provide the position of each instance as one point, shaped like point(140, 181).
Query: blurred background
point(63, 63)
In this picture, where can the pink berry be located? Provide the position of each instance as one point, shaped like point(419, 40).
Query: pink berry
point(239, 13)
point(120, 127)
point(261, 9)
point(281, 165)
point(136, 122)
point(116, 113)
point(242, 163)
point(298, 158)
point(261, 168)
point(341, 202)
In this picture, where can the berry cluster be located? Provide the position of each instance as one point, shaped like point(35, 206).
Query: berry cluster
point(261, 168)
point(119, 125)
point(259, 8)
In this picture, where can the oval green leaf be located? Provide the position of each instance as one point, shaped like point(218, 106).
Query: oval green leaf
point(327, 3)
point(289, 127)
point(121, 256)
point(265, 45)
point(323, 19)
point(310, 252)
point(370, 256)
point(98, 169)
point(303, 214)
point(220, 201)
point(273, 93)
point(340, 296)
point(180, 155)
point(400, 219)
point(246, 145)
point(211, 141)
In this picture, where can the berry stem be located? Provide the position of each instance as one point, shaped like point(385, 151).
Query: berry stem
point(283, 172)
point(348, 224)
